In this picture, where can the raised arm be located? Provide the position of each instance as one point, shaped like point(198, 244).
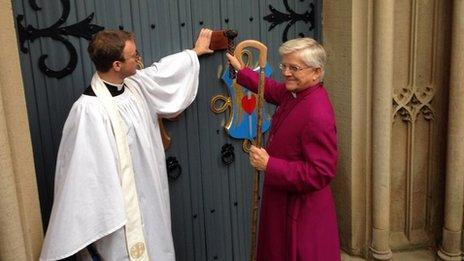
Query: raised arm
point(273, 90)
point(171, 85)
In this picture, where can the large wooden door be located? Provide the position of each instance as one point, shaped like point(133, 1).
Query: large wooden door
point(210, 200)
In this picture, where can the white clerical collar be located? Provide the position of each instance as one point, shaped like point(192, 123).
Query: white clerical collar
point(294, 95)
point(117, 85)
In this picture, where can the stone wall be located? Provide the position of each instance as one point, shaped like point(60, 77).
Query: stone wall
point(20, 222)
point(388, 76)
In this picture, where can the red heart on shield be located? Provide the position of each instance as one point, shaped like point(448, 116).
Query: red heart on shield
point(249, 104)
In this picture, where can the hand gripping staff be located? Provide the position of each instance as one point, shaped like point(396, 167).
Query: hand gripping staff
point(262, 49)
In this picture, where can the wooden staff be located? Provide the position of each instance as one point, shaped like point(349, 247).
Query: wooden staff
point(259, 135)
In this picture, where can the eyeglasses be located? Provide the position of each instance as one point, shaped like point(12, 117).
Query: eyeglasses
point(292, 68)
point(136, 56)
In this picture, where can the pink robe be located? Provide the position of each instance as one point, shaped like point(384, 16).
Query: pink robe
point(297, 216)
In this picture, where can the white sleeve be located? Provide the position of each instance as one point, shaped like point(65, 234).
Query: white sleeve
point(88, 201)
point(170, 85)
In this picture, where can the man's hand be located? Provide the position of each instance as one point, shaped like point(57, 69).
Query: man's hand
point(258, 158)
point(234, 62)
point(203, 41)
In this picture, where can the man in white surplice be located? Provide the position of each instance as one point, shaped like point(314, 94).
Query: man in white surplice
point(111, 190)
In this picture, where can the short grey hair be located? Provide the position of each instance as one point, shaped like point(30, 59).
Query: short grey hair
point(309, 50)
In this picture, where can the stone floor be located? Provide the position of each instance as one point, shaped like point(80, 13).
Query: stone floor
point(417, 255)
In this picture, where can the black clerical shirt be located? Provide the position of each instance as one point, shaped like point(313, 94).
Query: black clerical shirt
point(113, 90)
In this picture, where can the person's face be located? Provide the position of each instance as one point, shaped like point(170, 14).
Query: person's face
point(129, 66)
point(297, 75)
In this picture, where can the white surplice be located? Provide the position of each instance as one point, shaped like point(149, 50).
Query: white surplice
point(88, 203)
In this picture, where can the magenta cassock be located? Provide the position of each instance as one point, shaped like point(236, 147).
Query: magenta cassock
point(297, 215)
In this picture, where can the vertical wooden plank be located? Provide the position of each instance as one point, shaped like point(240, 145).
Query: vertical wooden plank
point(139, 18)
point(126, 16)
point(318, 21)
point(42, 127)
point(77, 82)
point(214, 176)
point(238, 206)
point(273, 38)
point(195, 157)
point(84, 9)
point(217, 203)
point(228, 20)
point(302, 28)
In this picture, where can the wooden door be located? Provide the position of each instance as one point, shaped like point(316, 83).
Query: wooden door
point(210, 201)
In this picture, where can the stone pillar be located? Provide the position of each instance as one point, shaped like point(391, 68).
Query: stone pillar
point(454, 197)
point(381, 127)
point(20, 222)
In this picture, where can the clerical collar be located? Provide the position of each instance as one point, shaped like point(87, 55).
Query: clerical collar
point(307, 91)
point(115, 90)
point(119, 86)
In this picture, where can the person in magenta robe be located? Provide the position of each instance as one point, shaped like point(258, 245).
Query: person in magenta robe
point(297, 216)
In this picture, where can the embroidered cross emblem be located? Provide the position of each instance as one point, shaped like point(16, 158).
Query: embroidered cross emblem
point(137, 250)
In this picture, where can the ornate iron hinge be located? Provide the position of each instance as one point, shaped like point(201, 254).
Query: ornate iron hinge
point(83, 29)
point(276, 17)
